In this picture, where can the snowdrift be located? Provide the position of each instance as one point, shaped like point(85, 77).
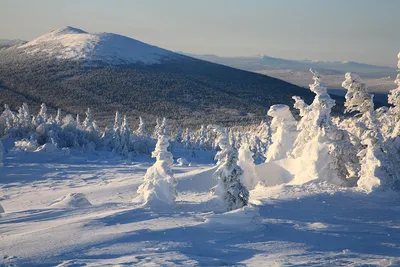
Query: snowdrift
point(72, 200)
point(245, 219)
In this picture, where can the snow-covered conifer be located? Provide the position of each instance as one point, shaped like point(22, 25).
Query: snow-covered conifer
point(125, 137)
point(141, 130)
point(186, 141)
point(158, 187)
point(178, 135)
point(246, 162)
point(284, 127)
point(202, 138)
point(1, 153)
point(157, 128)
point(229, 189)
point(58, 116)
point(42, 116)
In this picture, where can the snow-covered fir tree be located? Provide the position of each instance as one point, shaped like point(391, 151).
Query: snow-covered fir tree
point(201, 140)
point(377, 170)
point(324, 151)
point(158, 188)
point(1, 153)
point(178, 135)
point(246, 162)
point(141, 130)
point(186, 141)
point(157, 128)
point(230, 189)
point(125, 145)
point(59, 116)
point(284, 130)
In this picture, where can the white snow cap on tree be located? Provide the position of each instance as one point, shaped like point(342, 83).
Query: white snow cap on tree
point(230, 190)
point(357, 97)
point(158, 188)
point(284, 127)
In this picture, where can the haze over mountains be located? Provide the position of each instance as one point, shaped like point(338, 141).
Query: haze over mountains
point(71, 69)
point(379, 78)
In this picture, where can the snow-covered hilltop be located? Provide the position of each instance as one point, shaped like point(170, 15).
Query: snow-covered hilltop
point(76, 44)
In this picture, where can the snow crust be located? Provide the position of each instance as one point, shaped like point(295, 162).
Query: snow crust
point(76, 44)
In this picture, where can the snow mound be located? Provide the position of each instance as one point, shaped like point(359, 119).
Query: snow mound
point(244, 219)
point(76, 44)
point(72, 200)
point(1, 209)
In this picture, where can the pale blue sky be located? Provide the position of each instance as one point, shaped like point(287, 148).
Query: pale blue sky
point(360, 30)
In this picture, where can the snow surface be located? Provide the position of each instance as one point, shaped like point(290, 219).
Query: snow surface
point(310, 224)
point(72, 43)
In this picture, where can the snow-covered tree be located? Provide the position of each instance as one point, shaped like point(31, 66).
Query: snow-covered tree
point(284, 127)
point(125, 137)
point(178, 135)
point(157, 128)
point(164, 128)
point(25, 118)
point(1, 153)
point(59, 116)
point(186, 141)
point(229, 189)
point(377, 170)
point(201, 140)
point(246, 162)
point(90, 127)
point(42, 116)
point(141, 130)
point(324, 151)
point(158, 188)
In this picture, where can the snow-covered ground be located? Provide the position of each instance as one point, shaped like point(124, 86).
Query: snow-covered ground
point(312, 224)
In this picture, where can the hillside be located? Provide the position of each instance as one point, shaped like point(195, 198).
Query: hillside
point(71, 69)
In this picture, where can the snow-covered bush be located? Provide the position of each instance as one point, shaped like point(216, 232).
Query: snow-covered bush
point(158, 187)
point(230, 190)
point(284, 132)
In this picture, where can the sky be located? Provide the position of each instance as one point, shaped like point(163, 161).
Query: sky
point(337, 30)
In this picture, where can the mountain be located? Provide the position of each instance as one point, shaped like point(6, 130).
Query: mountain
point(4, 43)
point(74, 44)
point(263, 62)
point(379, 78)
point(71, 69)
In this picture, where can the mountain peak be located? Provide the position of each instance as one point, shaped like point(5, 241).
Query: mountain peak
point(76, 44)
point(68, 30)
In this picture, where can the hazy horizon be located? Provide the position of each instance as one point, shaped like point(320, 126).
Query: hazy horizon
point(361, 31)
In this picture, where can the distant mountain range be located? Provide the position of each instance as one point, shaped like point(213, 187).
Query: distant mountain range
point(71, 69)
point(380, 78)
